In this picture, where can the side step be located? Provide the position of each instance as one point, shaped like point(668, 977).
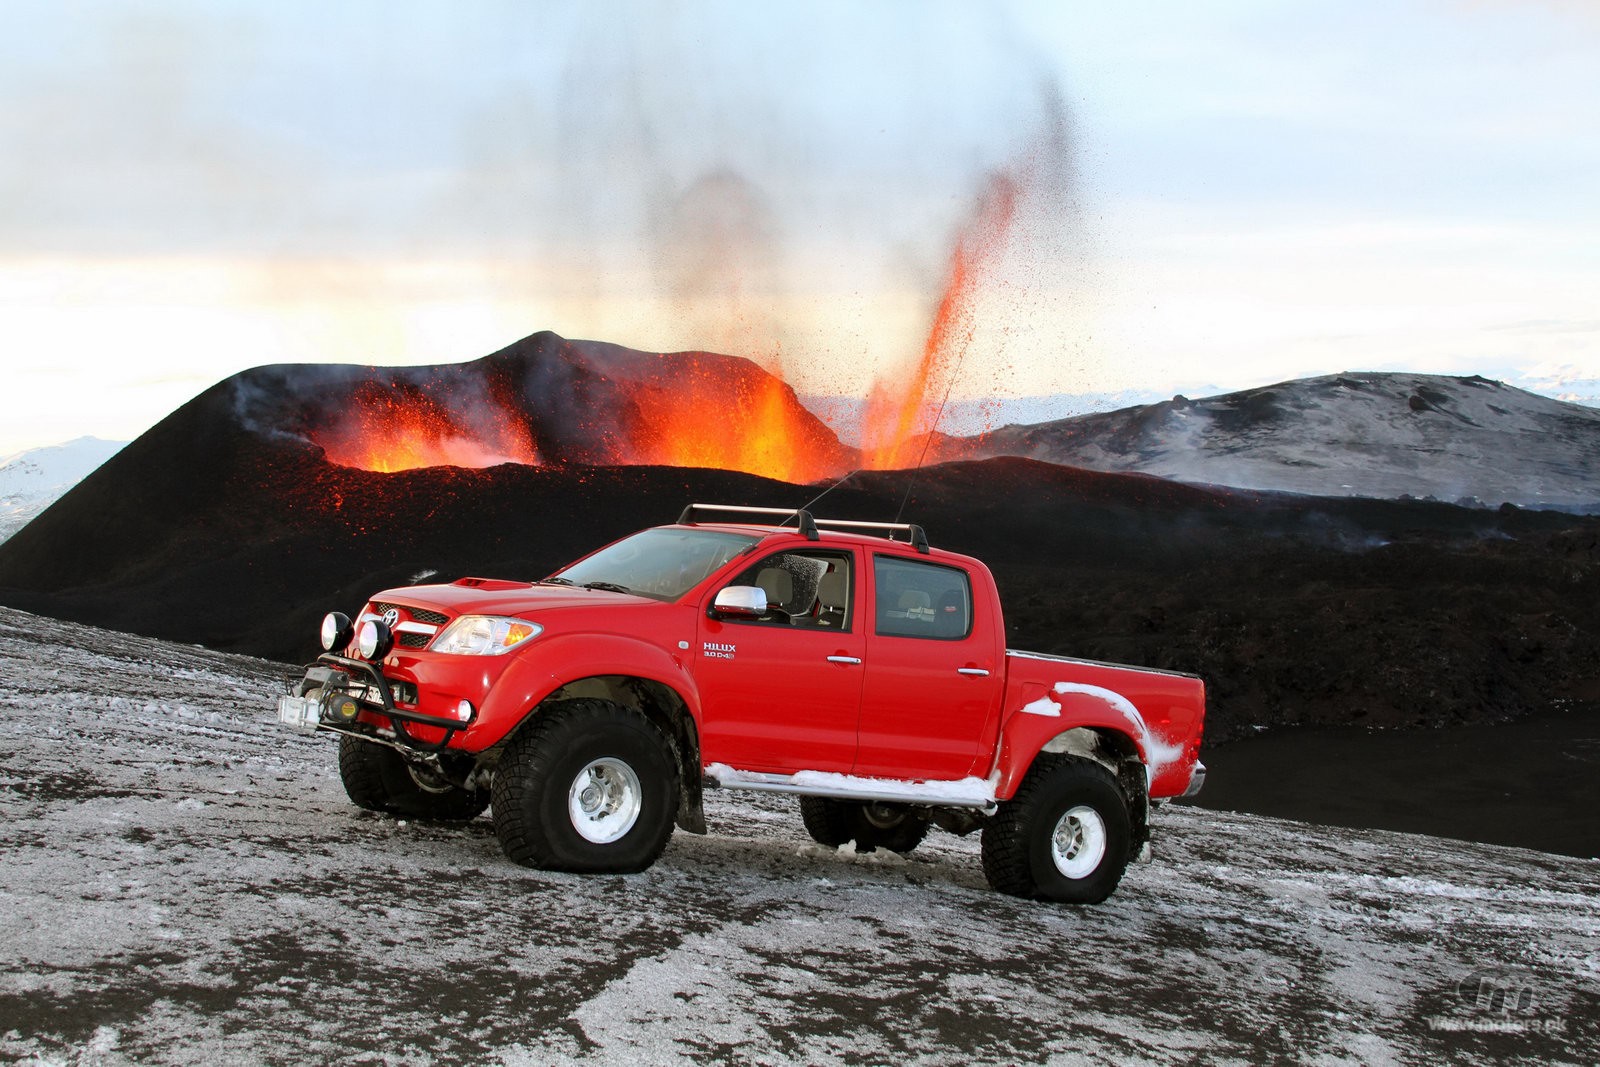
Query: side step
point(963, 793)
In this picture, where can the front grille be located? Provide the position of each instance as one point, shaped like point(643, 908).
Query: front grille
point(436, 618)
point(414, 640)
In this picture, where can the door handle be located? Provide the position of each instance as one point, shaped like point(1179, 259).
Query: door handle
point(973, 672)
point(844, 659)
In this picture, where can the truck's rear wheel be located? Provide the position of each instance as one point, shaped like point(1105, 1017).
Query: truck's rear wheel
point(870, 825)
point(587, 786)
point(1064, 836)
point(378, 778)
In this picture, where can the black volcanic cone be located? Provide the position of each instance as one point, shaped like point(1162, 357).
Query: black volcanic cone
point(577, 402)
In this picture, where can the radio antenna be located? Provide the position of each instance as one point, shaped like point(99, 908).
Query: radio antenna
point(819, 496)
point(928, 437)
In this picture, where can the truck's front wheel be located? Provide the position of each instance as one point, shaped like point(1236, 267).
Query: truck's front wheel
point(587, 786)
point(1064, 836)
point(377, 778)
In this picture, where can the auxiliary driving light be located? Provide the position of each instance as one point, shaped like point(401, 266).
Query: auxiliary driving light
point(373, 640)
point(335, 631)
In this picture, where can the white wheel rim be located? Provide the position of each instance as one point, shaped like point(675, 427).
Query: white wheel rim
point(604, 800)
point(1079, 842)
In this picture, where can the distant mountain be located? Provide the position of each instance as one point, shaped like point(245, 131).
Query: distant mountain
point(966, 418)
point(1382, 435)
point(31, 481)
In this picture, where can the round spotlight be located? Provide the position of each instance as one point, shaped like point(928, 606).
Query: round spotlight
point(373, 640)
point(335, 631)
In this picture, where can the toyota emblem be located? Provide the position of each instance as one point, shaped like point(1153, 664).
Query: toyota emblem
point(391, 617)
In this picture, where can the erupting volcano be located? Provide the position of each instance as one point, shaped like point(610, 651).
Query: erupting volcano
point(547, 401)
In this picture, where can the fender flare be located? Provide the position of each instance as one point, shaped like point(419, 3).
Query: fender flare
point(1027, 730)
point(530, 679)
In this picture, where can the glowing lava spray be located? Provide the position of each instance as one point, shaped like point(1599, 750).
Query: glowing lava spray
point(896, 416)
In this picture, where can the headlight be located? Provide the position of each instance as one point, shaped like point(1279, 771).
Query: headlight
point(373, 640)
point(485, 635)
point(335, 631)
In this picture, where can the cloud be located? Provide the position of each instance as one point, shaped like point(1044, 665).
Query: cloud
point(121, 151)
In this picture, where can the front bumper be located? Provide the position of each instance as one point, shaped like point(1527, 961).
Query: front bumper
point(337, 692)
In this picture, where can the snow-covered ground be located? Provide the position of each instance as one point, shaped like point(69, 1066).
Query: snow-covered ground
point(33, 480)
point(183, 881)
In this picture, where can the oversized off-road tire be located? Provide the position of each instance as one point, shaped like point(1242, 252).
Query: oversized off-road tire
point(870, 825)
point(1064, 836)
point(588, 785)
point(378, 778)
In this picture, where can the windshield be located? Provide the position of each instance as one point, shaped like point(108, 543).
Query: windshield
point(662, 563)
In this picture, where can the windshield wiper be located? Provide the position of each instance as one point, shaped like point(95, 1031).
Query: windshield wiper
point(557, 580)
point(610, 587)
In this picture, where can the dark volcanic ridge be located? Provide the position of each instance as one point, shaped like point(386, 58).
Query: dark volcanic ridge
point(1295, 610)
point(1385, 435)
point(230, 525)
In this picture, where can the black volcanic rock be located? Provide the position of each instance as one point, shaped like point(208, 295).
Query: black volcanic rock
point(1372, 435)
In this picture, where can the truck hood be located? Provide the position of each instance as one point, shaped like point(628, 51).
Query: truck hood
point(495, 597)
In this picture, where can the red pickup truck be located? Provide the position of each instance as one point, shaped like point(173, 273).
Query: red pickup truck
point(848, 663)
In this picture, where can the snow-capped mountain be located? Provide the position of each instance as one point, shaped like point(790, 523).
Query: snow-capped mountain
point(1384, 435)
point(31, 481)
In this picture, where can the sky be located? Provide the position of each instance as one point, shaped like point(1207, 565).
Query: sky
point(1212, 195)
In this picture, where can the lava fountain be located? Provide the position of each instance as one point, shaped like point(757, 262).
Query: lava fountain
point(895, 417)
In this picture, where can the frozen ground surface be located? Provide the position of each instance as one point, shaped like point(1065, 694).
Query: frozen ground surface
point(181, 881)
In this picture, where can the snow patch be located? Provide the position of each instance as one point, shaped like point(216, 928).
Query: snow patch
point(1043, 706)
point(1159, 754)
point(969, 790)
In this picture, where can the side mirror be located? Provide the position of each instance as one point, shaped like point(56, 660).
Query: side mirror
point(740, 602)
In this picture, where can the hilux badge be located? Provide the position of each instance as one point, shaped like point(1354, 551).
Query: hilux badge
point(718, 650)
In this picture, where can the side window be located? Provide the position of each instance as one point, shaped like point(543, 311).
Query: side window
point(805, 589)
point(922, 599)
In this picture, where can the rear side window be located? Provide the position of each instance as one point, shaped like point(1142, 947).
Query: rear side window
point(922, 599)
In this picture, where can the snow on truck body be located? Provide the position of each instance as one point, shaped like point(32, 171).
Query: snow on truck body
point(863, 672)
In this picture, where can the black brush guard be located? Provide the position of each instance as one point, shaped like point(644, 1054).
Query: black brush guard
point(358, 679)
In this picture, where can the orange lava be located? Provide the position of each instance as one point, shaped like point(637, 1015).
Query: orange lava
point(752, 423)
point(898, 419)
point(388, 431)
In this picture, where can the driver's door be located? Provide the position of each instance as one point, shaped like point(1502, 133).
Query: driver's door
point(782, 693)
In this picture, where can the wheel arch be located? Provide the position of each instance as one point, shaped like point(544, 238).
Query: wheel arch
point(1103, 743)
point(658, 702)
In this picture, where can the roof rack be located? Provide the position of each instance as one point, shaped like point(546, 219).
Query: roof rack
point(808, 524)
point(913, 532)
